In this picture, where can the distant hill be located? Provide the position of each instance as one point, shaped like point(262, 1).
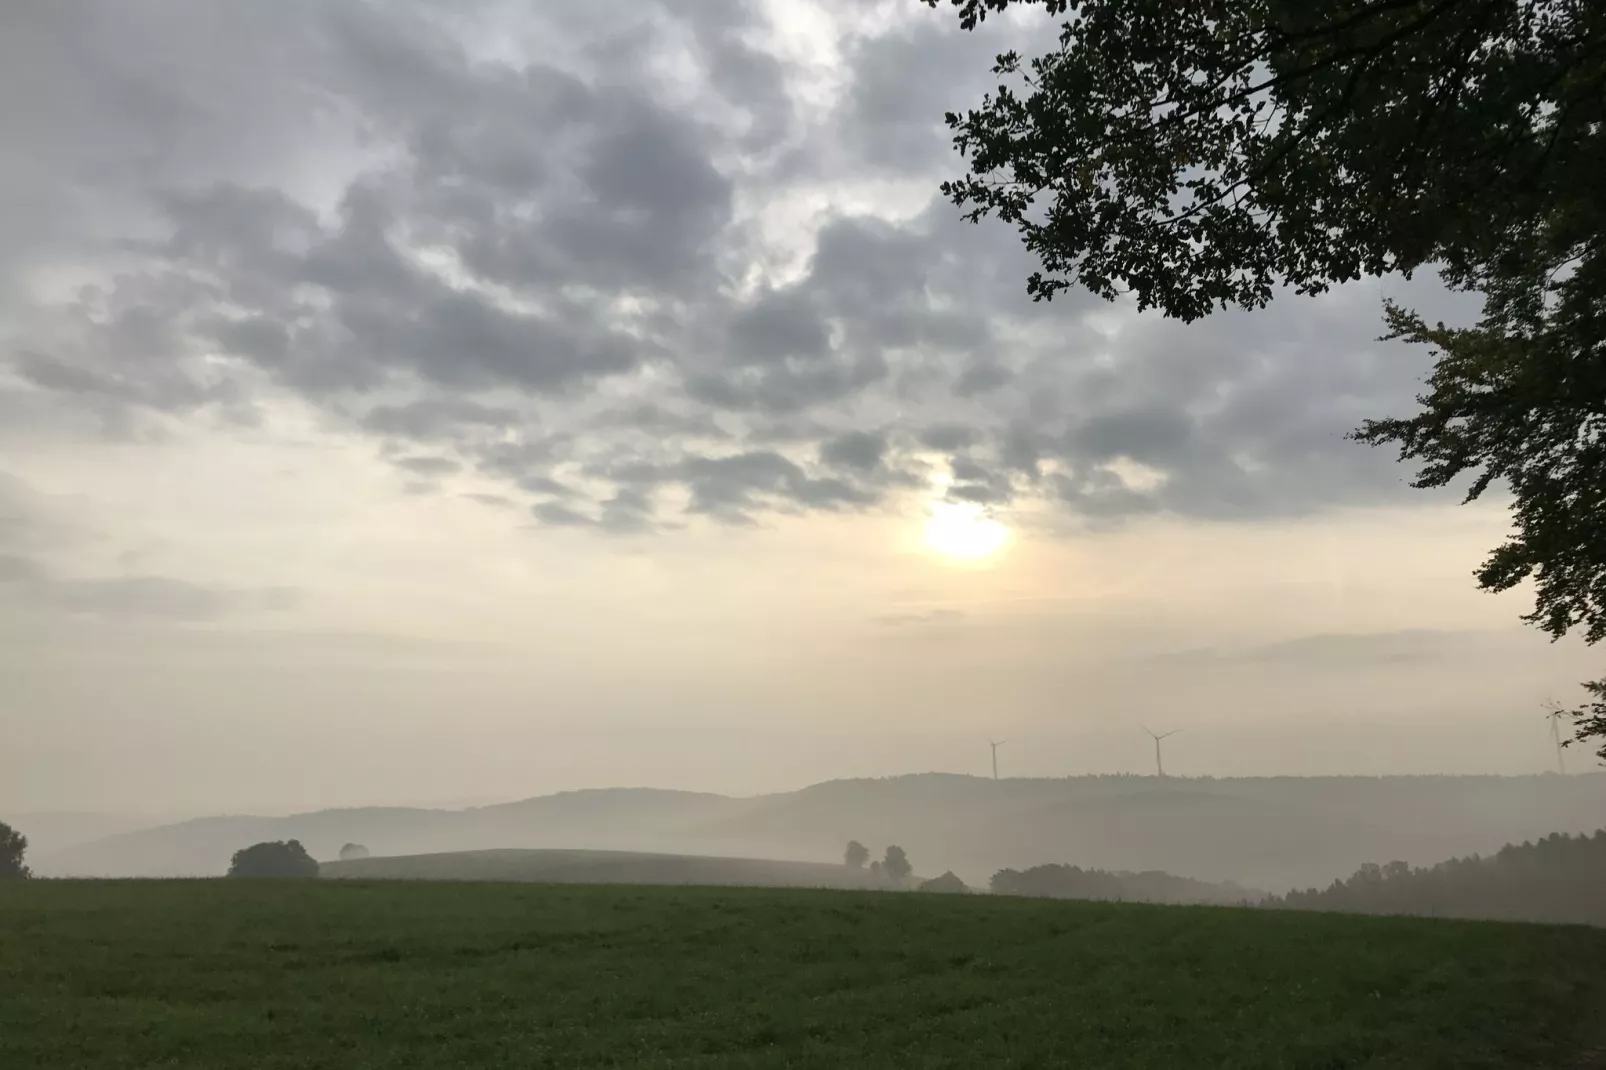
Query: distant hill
point(602, 867)
point(1272, 833)
point(51, 832)
point(1555, 879)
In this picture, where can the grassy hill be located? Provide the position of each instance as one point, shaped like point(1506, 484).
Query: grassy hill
point(1272, 833)
point(600, 867)
point(236, 974)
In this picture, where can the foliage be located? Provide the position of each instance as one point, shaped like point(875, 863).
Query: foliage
point(352, 851)
point(1591, 718)
point(1559, 878)
point(13, 846)
point(279, 858)
point(228, 975)
point(1074, 882)
point(1199, 155)
point(856, 855)
point(949, 883)
point(1527, 409)
point(896, 864)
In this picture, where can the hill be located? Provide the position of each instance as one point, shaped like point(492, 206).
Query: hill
point(225, 975)
point(1557, 879)
point(1272, 833)
point(601, 867)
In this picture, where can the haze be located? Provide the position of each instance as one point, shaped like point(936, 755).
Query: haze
point(439, 404)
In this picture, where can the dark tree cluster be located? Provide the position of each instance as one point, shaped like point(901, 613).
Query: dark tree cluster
point(13, 846)
point(1556, 879)
point(279, 858)
point(893, 867)
point(1202, 155)
point(1074, 882)
point(949, 884)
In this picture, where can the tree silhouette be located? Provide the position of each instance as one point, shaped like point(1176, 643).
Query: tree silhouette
point(1200, 155)
point(13, 845)
point(279, 858)
point(353, 850)
point(896, 864)
point(949, 882)
point(1074, 882)
point(856, 855)
point(1557, 879)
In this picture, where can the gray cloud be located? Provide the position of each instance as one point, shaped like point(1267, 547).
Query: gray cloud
point(547, 272)
point(862, 451)
point(428, 466)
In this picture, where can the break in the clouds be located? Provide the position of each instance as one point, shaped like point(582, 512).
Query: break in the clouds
point(666, 263)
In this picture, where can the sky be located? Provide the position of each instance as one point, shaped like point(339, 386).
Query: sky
point(437, 403)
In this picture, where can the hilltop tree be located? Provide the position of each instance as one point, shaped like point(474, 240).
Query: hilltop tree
point(353, 850)
point(856, 855)
point(948, 883)
point(1199, 155)
point(13, 846)
point(896, 864)
point(279, 858)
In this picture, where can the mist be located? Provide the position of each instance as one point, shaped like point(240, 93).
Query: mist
point(412, 417)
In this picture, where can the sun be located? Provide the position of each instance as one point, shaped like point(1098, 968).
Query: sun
point(963, 531)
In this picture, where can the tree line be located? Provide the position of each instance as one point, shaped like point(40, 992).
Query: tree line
point(1073, 882)
point(1559, 878)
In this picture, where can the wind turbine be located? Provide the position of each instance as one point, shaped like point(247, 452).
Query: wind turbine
point(1554, 717)
point(1158, 767)
point(996, 743)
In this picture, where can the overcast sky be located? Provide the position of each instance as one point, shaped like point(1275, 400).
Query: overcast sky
point(429, 402)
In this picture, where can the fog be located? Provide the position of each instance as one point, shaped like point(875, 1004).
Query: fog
point(445, 406)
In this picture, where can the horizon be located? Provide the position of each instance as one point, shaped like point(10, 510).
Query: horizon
point(154, 819)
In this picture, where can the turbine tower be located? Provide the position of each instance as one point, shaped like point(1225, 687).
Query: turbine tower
point(995, 744)
point(1554, 717)
point(1159, 769)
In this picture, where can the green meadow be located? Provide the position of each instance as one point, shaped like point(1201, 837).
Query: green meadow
point(358, 974)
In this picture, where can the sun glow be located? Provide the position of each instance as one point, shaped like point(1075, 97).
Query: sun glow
point(964, 531)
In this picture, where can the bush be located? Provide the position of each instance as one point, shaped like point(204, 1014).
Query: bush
point(13, 845)
point(948, 882)
point(279, 858)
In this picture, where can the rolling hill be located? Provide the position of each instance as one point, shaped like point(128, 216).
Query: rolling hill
point(601, 867)
point(1269, 833)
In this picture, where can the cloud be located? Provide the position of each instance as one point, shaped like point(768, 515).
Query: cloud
point(930, 616)
point(1351, 650)
point(625, 268)
point(428, 466)
point(28, 583)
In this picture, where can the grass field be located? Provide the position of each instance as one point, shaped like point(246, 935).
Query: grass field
point(353, 974)
point(602, 867)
